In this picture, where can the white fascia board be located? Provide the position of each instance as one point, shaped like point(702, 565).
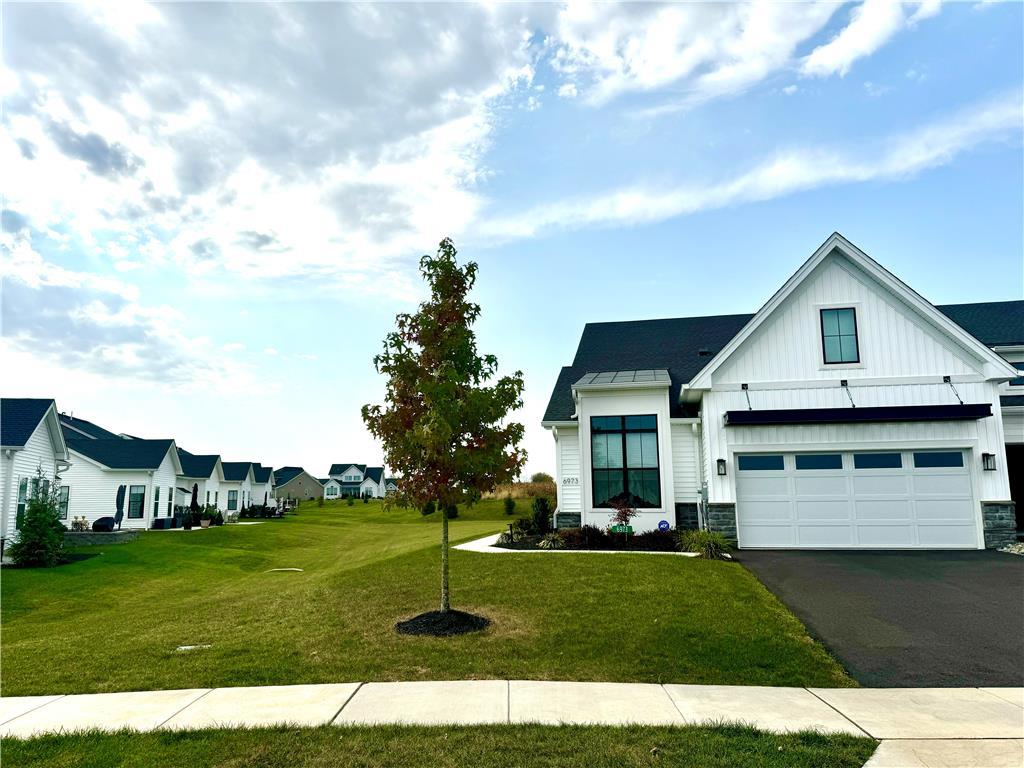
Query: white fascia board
point(994, 365)
point(52, 418)
point(552, 424)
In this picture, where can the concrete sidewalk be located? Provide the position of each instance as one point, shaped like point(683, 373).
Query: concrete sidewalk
point(975, 726)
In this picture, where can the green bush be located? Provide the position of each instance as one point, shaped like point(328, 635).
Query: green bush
point(218, 518)
point(551, 541)
point(510, 505)
point(710, 545)
point(349, 501)
point(366, 499)
point(428, 509)
point(451, 511)
point(41, 536)
point(319, 501)
point(541, 477)
point(541, 517)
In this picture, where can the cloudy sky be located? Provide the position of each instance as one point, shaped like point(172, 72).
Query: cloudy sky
point(212, 213)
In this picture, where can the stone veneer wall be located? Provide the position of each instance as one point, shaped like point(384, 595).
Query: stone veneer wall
point(567, 520)
point(722, 518)
point(999, 520)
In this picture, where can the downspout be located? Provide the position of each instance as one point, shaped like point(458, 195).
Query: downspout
point(702, 493)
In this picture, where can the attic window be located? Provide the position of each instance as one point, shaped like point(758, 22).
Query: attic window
point(839, 336)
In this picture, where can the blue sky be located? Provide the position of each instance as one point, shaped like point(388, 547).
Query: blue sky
point(213, 213)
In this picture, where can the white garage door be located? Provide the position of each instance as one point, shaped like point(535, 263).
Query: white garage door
point(871, 500)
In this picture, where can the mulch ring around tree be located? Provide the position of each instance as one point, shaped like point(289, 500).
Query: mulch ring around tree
point(443, 624)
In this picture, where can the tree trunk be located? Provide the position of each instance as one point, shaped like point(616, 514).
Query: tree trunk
point(445, 605)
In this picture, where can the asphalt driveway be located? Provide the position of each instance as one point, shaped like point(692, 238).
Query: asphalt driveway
point(899, 619)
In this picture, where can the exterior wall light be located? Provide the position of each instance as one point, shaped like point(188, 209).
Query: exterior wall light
point(988, 461)
point(721, 467)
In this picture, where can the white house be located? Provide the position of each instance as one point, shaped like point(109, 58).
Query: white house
point(332, 487)
point(30, 441)
point(356, 480)
point(848, 412)
point(202, 473)
point(147, 468)
point(236, 489)
point(263, 486)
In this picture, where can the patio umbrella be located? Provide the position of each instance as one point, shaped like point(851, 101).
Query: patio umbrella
point(120, 505)
point(194, 506)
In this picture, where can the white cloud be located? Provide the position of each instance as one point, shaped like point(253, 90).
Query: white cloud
point(568, 91)
point(270, 351)
point(871, 25)
point(789, 90)
point(786, 173)
point(233, 346)
point(704, 50)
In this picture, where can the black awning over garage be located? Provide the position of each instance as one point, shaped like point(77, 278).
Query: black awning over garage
point(851, 415)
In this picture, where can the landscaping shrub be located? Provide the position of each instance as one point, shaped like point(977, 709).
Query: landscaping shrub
point(521, 527)
point(653, 541)
point(587, 537)
point(542, 477)
point(541, 518)
point(510, 505)
point(505, 539)
point(552, 541)
point(349, 501)
point(319, 501)
point(41, 536)
point(366, 499)
point(428, 509)
point(709, 544)
point(451, 512)
point(218, 518)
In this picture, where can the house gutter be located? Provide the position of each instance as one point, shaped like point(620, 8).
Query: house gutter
point(8, 455)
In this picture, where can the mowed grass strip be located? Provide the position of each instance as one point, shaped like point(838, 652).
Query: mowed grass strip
point(504, 745)
point(112, 621)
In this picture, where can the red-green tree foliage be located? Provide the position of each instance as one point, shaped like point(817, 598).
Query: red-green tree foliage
point(444, 421)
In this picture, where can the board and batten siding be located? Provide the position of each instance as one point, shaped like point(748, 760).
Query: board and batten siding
point(568, 471)
point(685, 455)
point(94, 492)
point(37, 453)
point(893, 339)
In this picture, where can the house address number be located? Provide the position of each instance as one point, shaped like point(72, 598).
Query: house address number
point(570, 481)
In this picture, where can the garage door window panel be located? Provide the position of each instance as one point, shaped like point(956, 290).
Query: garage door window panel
point(761, 462)
point(877, 461)
point(819, 461)
point(936, 459)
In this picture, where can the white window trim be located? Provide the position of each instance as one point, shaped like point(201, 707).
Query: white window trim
point(856, 306)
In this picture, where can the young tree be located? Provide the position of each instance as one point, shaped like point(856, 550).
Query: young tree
point(541, 477)
point(443, 424)
point(41, 536)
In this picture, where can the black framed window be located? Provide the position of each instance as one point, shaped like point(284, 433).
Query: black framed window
point(624, 461)
point(877, 461)
point(761, 462)
point(930, 459)
point(232, 500)
point(136, 501)
point(807, 461)
point(839, 336)
point(170, 502)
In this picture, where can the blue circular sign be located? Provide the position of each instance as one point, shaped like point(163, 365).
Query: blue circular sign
point(663, 525)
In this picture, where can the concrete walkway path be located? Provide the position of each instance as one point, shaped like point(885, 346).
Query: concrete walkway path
point(917, 726)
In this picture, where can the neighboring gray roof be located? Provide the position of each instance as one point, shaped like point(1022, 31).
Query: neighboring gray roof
point(374, 473)
point(196, 466)
point(391, 481)
point(235, 471)
point(684, 345)
point(75, 427)
point(19, 417)
point(122, 454)
point(285, 475)
point(337, 469)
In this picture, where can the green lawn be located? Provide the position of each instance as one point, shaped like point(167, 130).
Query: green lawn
point(112, 621)
point(506, 745)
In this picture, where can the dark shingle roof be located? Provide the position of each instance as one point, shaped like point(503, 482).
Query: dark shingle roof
point(196, 466)
point(994, 323)
point(73, 427)
point(374, 473)
point(284, 475)
point(122, 454)
point(261, 473)
point(337, 469)
point(684, 345)
point(19, 417)
point(235, 471)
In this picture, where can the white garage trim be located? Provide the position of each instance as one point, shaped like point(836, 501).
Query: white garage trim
point(857, 507)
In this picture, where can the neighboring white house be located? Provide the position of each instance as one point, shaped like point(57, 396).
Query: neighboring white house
point(263, 486)
point(357, 480)
point(30, 441)
point(390, 485)
point(848, 412)
point(204, 474)
point(147, 468)
point(236, 489)
point(332, 487)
